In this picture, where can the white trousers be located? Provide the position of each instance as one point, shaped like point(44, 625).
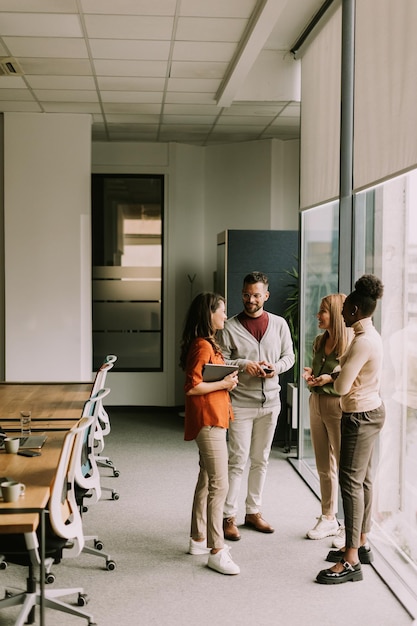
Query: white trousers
point(250, 437)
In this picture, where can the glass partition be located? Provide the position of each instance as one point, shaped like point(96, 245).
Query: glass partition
point(319, 277)
point(127, 223)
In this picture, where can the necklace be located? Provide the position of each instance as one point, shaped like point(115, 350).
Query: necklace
point(323, 361)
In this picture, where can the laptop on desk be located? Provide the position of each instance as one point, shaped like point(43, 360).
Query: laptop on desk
point(30, 442)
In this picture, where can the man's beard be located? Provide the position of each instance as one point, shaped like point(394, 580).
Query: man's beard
point(252, 308)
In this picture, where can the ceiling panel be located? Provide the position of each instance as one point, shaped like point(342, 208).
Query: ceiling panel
point(40, 25)
point(129, 27)
point(197, 69)
point(130, 49)
point(150, 70)
point(218, 8)
point(203, 51)
point(60, 82)
point(210, 29)
point(130, 7)
point(54, 47)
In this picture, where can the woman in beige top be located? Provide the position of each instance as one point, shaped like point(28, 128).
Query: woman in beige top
point(363, 416)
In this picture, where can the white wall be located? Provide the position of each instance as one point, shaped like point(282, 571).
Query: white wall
point(284, 185)
point(47, 247)
point(250, 185)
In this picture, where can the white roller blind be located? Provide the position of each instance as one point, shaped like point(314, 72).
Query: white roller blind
point(385, 136)
point(320, 115)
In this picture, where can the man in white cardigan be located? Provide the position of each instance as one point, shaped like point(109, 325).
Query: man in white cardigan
point(259, 344)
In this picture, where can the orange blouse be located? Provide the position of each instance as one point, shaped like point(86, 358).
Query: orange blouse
point(211, 409)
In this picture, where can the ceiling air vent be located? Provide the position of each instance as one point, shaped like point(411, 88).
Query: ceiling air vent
point(10, 67)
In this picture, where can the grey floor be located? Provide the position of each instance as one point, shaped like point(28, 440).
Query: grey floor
point(156, 583)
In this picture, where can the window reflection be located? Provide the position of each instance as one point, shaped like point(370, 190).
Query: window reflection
point(320, 252)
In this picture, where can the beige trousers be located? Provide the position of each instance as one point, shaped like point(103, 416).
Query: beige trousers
point(325, 427)
point(212, 485)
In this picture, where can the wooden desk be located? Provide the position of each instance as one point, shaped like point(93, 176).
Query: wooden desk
point(36, 473)
point(43, 399)
point(52, 405)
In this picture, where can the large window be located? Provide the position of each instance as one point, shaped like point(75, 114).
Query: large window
point(384, 243)
point(127, 232)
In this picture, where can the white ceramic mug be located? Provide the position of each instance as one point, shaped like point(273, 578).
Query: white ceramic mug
point(11, 490)
point(11, 444)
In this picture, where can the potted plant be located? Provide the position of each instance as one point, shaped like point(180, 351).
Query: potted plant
point(292, 314)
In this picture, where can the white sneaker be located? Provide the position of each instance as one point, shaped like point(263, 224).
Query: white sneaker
point(339, 540)
point(323, 528)
point(222, 562)
point(198, 547)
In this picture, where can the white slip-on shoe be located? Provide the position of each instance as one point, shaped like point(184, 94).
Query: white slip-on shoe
point(323, 528)
point(222, 562)
point(339, 540)
point(198, 547)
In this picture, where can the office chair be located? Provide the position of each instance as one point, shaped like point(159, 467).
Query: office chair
point(87, 475)
point(62, 524)
point(103, 423)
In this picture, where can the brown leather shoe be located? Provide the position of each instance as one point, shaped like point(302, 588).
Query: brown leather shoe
point(230, 529)
point(254, 520)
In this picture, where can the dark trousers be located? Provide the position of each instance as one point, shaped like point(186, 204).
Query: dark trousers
point(359, 432)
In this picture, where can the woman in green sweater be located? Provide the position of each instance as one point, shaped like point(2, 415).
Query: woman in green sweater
point(325, 411)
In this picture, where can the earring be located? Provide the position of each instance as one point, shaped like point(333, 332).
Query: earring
point(352, 313)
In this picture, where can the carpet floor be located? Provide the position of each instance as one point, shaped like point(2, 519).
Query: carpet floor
point(156, 583)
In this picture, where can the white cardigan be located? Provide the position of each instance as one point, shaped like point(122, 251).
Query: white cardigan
point(239, 347)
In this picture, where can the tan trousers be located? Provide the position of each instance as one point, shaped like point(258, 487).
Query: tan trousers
point(212, 485)
point(325, 426)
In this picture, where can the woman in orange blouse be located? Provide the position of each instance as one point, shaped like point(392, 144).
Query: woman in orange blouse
point(207, 413)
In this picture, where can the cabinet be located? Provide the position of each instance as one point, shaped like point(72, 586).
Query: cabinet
point(273, 252)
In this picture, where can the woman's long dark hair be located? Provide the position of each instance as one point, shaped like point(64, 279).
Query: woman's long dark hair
point(198, 322)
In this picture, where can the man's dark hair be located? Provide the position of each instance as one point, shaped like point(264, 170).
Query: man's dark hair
point(256, 277)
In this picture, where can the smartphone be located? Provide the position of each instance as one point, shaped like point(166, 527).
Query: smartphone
point(29, 453)
point(267, 370)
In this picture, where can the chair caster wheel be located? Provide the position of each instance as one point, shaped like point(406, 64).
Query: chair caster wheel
point(3, 565)
point(49, 579)
point(109, 463)
point(98, 544)
point(116, 473)
point(110, 566)
point(115, 495)
point(82, 599)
